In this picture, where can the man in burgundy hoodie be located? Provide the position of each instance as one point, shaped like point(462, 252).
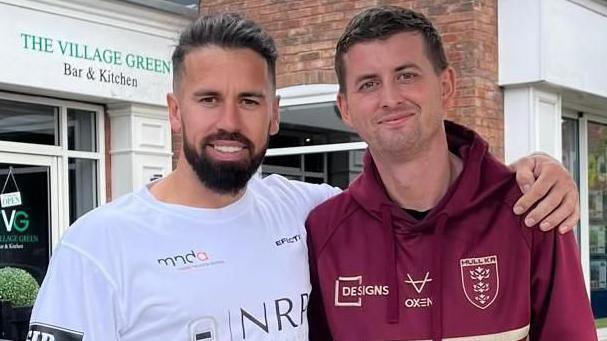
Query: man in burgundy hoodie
point(424, 244)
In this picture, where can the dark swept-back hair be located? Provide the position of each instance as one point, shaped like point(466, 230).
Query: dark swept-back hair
point(226, 30)
point(382, 22)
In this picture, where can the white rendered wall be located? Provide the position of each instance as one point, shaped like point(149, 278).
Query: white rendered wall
point(562, 42)
point(141, 145)
point(532, 122)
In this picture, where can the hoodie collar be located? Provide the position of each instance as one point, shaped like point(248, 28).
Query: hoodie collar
point(370, 193)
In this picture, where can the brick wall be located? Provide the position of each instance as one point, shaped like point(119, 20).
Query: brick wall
point(306, 33)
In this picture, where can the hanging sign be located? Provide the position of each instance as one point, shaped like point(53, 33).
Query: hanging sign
point(10, 199)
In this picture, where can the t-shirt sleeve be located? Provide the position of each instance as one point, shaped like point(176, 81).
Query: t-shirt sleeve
point(300, 195)
point(560, 306)
point(76, 302)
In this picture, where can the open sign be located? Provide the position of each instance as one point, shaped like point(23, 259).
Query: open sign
point(10, 199)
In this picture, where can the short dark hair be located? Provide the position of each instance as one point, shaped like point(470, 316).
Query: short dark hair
point(382, 22)
point(226, 30)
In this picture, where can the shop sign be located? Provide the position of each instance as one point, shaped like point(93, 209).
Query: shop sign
point(10, 199)
point(67, 54)
point(13, 198)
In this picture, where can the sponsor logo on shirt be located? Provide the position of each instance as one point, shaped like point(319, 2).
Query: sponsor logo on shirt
point(187, 261)
point(282, 315)
point(349, 291)
point(480, 280)
point(47, 332)
point(418, 286)
point(288, 240)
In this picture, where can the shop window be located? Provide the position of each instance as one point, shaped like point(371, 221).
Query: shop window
point(25, 218)
point(597, 202)
point(308, 134)
point(82, 178)
point(81, 130)
point(595, 155)
point(29, 123)
point(51, 173)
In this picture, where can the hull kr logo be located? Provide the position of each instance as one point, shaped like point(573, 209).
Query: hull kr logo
point(480, 280)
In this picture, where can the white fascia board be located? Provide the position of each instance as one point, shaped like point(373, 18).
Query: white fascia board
point(307, 94)
point(117, 14)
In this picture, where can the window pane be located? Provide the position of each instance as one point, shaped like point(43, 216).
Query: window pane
point(82, 186)
point(314, 162)
point(81, 128)
point(29, 123)
point(597, 200)
point(342, 167)
point(314, 124)
point(571, 152)
point(25, 224)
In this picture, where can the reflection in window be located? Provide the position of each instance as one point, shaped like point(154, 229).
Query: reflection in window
point(29, 123)
point(81, 130)
point(25, 227)
point(571, 152)
point(82, 186)
point(312, 125)
point(597, 202)
point(336, 168)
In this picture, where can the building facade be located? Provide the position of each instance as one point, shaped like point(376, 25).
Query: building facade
point(530, 77)
point(83, 116)
point(82, 113)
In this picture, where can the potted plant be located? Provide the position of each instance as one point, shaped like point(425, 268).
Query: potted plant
point(18, 291)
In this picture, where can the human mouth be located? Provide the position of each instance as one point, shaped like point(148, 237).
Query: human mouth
point(395, 119)
point(227, 149)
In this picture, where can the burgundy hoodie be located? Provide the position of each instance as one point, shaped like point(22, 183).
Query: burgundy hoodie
point(469, 270)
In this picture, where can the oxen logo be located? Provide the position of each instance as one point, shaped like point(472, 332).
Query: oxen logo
point(480, 280)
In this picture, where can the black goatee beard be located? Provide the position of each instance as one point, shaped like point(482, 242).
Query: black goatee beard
point(223, 177)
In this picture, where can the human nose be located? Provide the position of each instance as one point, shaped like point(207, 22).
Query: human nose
point(390, 96)
point(230, 118)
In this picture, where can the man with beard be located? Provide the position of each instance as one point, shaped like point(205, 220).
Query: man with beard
point(208, 252)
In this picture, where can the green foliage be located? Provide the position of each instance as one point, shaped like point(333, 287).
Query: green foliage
point(18, 287)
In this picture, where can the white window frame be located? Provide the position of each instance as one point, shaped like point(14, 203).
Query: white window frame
point(61, 153)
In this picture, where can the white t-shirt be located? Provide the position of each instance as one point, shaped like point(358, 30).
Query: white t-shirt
point(140, 269)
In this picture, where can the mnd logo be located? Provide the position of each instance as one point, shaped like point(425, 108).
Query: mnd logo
point(349, 291)
point(190, 260)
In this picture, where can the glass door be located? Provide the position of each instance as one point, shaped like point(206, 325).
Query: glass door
point(28, 211)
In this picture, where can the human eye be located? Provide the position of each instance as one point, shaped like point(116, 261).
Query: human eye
point(208, 100)
point(250, 102)
point(368, 85)
point(407, 76)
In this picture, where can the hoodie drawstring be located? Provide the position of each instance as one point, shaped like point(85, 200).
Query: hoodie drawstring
point(392, 271)
point(437, 308)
